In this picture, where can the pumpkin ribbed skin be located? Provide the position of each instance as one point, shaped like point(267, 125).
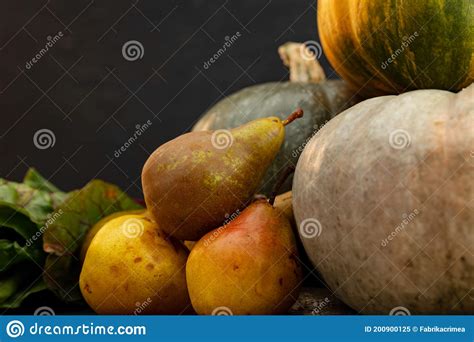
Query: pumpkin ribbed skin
point(435, 40)
point(382, 196)
point(320, 102)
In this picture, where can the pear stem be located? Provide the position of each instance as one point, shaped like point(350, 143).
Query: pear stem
point(293, 116)
point(281, 179)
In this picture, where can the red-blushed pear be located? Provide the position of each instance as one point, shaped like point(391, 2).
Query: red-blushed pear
point(193, 181)
point(247, 267)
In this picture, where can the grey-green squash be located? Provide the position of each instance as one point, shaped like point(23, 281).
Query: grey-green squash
point(383, 199)
point(308, 89)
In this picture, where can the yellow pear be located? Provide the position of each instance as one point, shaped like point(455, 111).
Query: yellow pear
point(131, 267)
point(96, 227)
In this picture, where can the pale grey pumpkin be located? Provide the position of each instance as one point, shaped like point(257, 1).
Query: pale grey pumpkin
point(383, 198)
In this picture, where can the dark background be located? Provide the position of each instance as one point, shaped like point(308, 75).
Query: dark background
point(92, 98)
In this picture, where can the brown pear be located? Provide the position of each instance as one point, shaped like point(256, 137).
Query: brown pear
point(247, 267)
point(191, 183)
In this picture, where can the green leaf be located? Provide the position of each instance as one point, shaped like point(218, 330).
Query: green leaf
point(17, 286)
point(38, 182)
point(15, 219)
point(25, 211)
point(62, 277)
point(11, 253)
point(37, 203)
point(63, 238)
point(81, 210)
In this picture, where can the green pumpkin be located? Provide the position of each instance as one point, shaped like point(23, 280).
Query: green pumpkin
point(388, 47)
point(319, 101)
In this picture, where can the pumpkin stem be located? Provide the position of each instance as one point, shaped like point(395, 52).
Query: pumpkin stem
point(293, 116)
point(281, 179)
point(302, 61)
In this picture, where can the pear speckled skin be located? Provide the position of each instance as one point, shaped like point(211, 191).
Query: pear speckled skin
point(93, 231)
point(131, 267)
point(191, 183)
point(248, 266)
point(320, 101)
